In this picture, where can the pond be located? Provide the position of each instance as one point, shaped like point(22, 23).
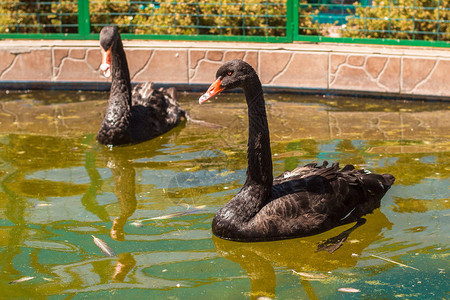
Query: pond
point(153, 203)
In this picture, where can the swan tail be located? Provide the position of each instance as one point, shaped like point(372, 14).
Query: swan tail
point(368, 190)
point(145, 94)
point(375, 183)
point(388, 179)
point(158, 105)
point(174, 111)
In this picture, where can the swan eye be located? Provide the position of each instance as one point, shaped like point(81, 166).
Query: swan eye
point(230, 73)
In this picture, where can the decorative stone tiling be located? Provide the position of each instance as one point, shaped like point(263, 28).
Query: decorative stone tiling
point(365, 73)
point(418, 72)
point(204, 63)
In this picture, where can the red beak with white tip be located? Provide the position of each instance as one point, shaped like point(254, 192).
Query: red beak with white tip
point(105, 67)
point(213, 90)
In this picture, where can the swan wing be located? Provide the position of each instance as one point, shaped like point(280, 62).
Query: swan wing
point(154, 111)
point(319, 198)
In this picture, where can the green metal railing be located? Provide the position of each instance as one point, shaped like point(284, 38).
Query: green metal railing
point(392, 22)
point(192, 20)
point(396, 22)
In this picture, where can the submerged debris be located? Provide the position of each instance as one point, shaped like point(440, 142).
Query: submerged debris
point(138, 223)
point(42, 204)
point(47, 279)
point(349, 290)
point(394, 262)
point(103, 246)
point(309, 275)
point(26, 278)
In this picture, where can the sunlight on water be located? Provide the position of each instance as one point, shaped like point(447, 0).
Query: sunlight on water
point(153, 203)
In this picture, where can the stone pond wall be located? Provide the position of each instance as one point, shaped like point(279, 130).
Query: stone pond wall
point(409, 72)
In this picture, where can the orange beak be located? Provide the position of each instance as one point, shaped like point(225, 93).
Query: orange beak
point(213, 90)
point(105, 67)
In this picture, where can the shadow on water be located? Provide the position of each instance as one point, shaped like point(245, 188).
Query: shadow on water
point(58, 187)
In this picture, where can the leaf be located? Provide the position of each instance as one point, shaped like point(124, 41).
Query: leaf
point(103, 246)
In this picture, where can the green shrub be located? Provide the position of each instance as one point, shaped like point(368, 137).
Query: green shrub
point(306, 24)
point(396, 19)
point(224, 17)
point(250, 17)
point(6, 20)
point(104, 12)
point(19, 16)
point(401, 19)
point(168, 17)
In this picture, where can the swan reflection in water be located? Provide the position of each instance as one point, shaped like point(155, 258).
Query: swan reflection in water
point(124, 176)
point(122, 163)
point(308, 256)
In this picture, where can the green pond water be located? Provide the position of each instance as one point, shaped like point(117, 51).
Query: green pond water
point(58, 187)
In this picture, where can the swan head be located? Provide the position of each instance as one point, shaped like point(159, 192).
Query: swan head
point(232, 74)
point(108, 37)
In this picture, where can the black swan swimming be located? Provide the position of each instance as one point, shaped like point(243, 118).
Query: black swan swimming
point(306, 201)
point(137, 115)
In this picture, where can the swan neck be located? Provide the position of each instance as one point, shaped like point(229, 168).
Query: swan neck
point(116, 124)
point(232, 219)
point(121, 83)
point(259, 169)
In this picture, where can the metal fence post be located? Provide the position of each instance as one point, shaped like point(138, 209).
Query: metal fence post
point(289, 20)
point(84, 23)
point(293, 13)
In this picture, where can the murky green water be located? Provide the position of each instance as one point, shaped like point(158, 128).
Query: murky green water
point(58, 187)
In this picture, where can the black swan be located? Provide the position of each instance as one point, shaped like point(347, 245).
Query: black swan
point(138, 115)
point(306, 201)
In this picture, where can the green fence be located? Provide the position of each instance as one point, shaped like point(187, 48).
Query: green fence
point(401, 22)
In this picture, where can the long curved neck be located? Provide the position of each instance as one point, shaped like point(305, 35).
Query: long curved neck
point(121, 83)
point(230, 221)
point(116, 125)
point(259, 169)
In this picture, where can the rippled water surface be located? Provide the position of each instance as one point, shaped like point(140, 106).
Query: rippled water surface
point(58, 187)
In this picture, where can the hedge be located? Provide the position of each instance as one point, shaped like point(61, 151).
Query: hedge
point(397, 19)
